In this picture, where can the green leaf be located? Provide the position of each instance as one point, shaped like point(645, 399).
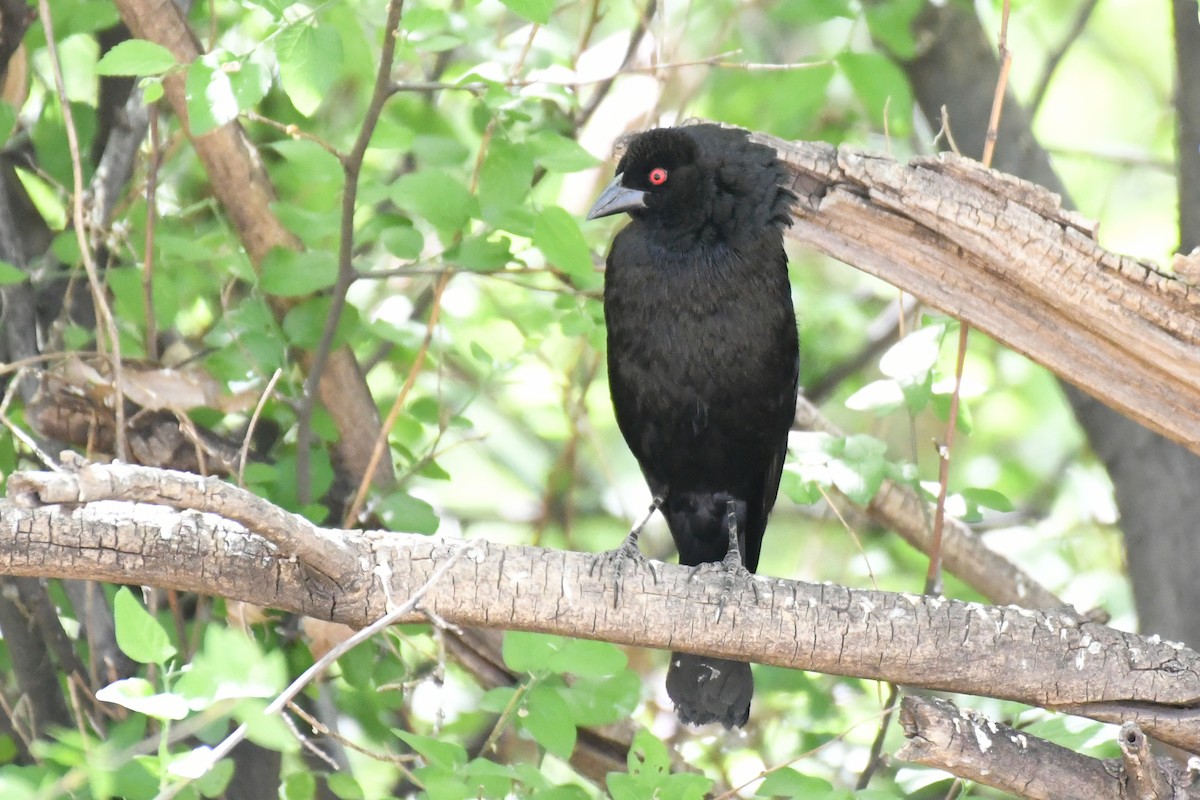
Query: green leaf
point(210, 99)
point(265, 730)
point(137, 694)
point(404, 513)
point(601, 701)
point(45, 199)
point(586, 658)
point(798, 490)
point(911, 358)
point(304, 324)
point(136, 57)
point(402, 241)
point(988, 498)
point(287, 273)
point(10, 274)
point(859, 467)
point(436, 196)
point(152, 90)
point(231, 666)
point(309, 60)
point(812, 12)
point(557, 153)
point(344, 785)
point(787, 782)
point(881, 86)
point(481, 253)
point(557, 235)
point(533, 10)
point(650, 774)
point(138, 633)
point(881, 396)
point(891, 25)
point(448, 756)
point(8, 120)
point(505, 177)
point(547, 718)
point(529, 652)
point(249, 82)
point(298, 786)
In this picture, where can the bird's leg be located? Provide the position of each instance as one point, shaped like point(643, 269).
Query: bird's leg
point(628, 551)
point(732, 567)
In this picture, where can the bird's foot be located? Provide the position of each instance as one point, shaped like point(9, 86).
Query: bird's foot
point(735, 578)
point(628, 552)
point(735, 574)
point(619, 559)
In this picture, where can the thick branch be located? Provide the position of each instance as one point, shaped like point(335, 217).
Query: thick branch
point(1050, 658)
point(969, 745)
point(1003, 255)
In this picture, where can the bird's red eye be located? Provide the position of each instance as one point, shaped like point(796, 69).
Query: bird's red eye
point(658, 176)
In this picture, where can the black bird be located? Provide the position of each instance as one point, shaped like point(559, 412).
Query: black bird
point(703, 358)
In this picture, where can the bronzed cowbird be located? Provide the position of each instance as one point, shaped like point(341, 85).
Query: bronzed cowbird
point(703, 358)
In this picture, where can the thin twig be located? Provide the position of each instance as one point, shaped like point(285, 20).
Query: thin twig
point(351, 166)
point(381, 440)
point(323, 663)
point(148, 256)
point(77, 220)
point(603, 86)
point(933, 578)
point(262, 401)
point(1052, 61)
point(736, 791)
point(401, 760)
point(876, 761)
point(21, 435)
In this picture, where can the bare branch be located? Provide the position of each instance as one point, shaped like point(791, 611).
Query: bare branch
point(1004, 256)
point(292, 534)
point(969, 745)
point(1051, 658)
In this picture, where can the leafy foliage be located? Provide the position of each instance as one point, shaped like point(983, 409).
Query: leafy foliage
point(486, 152)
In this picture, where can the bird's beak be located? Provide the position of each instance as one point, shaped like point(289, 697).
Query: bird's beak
point(616, 198)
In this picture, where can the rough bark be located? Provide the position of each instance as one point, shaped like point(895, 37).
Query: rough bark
point(1003, 255)
point(1050, 658)
point(957, 68)
point(970, 745)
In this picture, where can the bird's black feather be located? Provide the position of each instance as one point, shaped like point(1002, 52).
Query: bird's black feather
point(703, 354)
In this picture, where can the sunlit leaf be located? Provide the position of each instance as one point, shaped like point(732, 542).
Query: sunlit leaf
point(136, 57)
point(532, 10)
point(139, 635)
point(309, 56)
point(138, 694)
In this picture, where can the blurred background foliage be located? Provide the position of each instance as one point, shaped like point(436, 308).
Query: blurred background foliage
point(497, 139)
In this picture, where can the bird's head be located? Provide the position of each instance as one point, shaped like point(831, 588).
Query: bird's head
point(698, 178)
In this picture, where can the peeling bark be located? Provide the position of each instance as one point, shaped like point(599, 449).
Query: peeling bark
point(1049, 658)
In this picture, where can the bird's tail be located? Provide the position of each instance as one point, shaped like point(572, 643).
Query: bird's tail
point(706, 689)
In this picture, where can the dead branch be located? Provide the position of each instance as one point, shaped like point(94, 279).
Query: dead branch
point(969, 745)
point(1003, 255)
point(1050, 658)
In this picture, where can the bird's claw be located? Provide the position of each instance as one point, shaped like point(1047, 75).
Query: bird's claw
point(734, 577)
point(619, 559)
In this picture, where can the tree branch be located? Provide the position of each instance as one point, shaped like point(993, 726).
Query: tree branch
point(971, 746)
point(1003, 255)
point(899, 508)
point(246, 193)
point(1053, 658)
